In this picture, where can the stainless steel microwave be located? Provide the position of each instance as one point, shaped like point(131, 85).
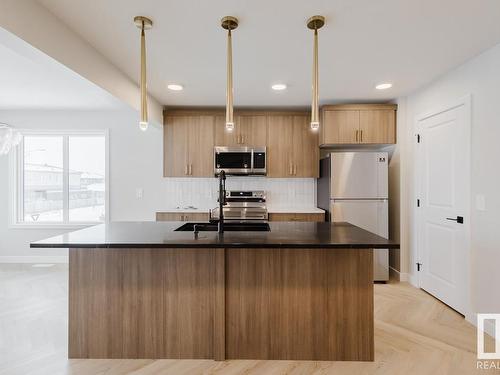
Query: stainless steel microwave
point(239, 160)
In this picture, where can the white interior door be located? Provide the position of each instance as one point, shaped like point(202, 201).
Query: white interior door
point(443, 178)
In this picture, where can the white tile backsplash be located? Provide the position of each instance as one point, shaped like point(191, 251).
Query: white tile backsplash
point(202, 192)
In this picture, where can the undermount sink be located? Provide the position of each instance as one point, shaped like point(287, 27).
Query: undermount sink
point(228, 227)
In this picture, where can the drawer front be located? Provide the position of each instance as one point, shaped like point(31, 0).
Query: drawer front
point(297, 216)
point(189, 216)
point(196, 216)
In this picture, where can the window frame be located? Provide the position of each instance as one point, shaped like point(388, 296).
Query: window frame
point(16, 161)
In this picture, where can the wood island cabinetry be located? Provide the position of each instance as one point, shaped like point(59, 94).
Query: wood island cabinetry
point(182, 216)
point(297, 216)
point(302, 291)
point(219, 303)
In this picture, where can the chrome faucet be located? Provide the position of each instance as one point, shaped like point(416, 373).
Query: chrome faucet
point(222, 200)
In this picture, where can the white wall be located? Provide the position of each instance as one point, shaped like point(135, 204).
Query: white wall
point(135, 159)
point(134, 156)
point(202, 192)
point(479, 77)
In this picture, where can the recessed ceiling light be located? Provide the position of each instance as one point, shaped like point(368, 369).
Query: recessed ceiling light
point(383, 86)
point(175, 87)
point(279, 86)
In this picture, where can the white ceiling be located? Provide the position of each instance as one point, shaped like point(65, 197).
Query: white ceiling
point(30, 79)
point(364, 42)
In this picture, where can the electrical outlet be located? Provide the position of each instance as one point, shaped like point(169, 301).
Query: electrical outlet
point(480, 202)
point(139, 192)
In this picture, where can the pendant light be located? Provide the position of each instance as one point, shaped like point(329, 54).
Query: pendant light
point(143, 23)
point(9, 138)
point(229, 23)
point(315, 23)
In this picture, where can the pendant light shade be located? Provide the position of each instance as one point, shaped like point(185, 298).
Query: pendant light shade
point(9, 138)
point(315, 23)
point(143, 23)
point(229, 23)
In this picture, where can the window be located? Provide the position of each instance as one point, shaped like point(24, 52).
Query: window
point(61, 178)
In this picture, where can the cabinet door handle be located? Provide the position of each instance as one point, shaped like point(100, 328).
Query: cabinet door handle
point(295, 169)
point(357, 131)
point(290, 169)
point(190, 169)
point(186, 169)
point(361, 135)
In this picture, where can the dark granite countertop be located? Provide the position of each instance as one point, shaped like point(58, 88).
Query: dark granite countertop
point(151, 234)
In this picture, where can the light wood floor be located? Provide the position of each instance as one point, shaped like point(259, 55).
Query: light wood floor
point(414, 334)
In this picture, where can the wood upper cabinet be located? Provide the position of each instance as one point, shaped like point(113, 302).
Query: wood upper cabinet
point(305, 148)
point(253, 130)
point(201, 147)
point(249, 130)
point(339, 127)
point(377, 126)
point(190, 136)
point(292, 147)
point(358, 124)
point(280, 146)
point(188, 145)
point(175, 146)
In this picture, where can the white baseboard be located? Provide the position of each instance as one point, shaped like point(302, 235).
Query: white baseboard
point(401, 276)
point(35, 259)
point(489, 326)
point(471, 318)
point(394, 274)
point(413, 279)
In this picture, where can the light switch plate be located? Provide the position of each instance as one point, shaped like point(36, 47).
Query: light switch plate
point(139, 193)
point(480, 202)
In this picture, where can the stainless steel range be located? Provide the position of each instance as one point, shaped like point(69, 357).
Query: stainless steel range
point(243, 206)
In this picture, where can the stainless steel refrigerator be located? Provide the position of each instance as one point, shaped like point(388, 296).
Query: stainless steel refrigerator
point(353, 187)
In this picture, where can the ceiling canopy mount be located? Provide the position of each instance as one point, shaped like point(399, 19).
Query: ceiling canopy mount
point(316, 22)
point(229, 23)
point(141, 21)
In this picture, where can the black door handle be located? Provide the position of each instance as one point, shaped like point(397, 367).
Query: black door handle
point(459, 219)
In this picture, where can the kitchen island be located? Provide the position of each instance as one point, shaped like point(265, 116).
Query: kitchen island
point(301, 291)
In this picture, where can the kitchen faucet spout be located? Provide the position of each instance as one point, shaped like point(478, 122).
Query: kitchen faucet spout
point(222, 200)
